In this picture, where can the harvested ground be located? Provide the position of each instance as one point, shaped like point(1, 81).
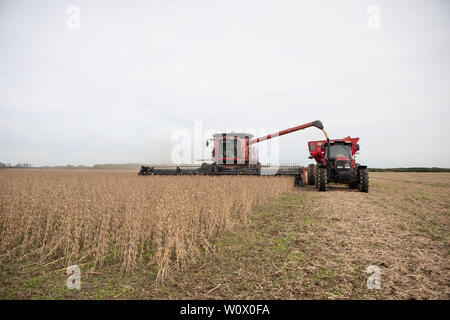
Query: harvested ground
point(311, 245)
point(304, 245)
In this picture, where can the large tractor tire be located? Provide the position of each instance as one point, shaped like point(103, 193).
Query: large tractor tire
point(363, 180)
point(323, 179)
point(311, 174)
point(317, 177)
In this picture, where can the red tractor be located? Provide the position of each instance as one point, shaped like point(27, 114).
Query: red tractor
point(336, 163)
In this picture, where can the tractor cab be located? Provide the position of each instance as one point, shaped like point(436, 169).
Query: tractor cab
point(339, 150)
point(339, 161)
point(339, 155)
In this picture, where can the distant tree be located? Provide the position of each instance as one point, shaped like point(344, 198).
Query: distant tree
point(411, 169)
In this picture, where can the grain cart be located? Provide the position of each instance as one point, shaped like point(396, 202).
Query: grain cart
point(336, 163)
point(233, 154)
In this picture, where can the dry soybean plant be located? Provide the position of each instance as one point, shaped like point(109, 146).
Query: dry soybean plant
point(93, 217)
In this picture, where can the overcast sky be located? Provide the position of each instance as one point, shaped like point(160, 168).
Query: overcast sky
point(114, 90)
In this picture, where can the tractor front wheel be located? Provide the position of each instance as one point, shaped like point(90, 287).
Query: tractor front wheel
point(311, 174)
point(363, 180)
point(323, 179)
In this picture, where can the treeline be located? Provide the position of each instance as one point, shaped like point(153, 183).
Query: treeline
point(69, 166)
point(412, 169)
point(111, 166)
point(108, 166)
point(18, 165)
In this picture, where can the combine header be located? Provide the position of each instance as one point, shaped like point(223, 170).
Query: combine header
point(233, 154)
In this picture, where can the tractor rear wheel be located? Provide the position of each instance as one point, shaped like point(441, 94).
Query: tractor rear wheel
point(323, 179)
point(363, 180)
point(317, 177)
point(311, 174)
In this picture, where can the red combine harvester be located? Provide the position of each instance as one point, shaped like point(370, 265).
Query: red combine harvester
point(233, 154)
point(336, 163)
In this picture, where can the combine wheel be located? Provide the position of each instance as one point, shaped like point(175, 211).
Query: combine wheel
point(311, 174)
point(300, 179)
point(323, 179)
point(363, 180)
point(205, 168)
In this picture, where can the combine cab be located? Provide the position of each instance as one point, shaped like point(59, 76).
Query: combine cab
point(336, 163)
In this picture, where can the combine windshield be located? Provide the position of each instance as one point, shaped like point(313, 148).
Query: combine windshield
point(227, 148)
point(339, 150)
point(231, 147)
